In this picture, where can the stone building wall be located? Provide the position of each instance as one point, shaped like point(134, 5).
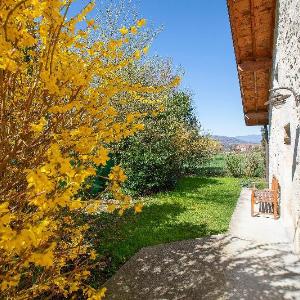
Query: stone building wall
point(284, 158)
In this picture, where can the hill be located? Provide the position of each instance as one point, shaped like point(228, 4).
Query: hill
point(252, 138)
point(228, 141)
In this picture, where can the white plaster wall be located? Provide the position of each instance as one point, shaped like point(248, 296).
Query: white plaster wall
point(284, 160)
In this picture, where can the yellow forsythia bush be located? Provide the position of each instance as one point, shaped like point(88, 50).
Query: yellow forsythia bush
point(57, 121)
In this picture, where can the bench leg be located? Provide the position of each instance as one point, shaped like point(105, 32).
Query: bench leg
point(276, 216)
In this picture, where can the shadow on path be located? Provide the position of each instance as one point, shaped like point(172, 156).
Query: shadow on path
point(198, 269)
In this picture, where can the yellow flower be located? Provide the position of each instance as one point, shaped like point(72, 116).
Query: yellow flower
point(123, 30)
point(86, 273)
point(139, 126)
point(117, 174)
point(145, 50)
point(90, 22)
point(138, 207)
point(101, 157)
point(98, 295)
point(39, 126)
point(141, 23)
point(121, 212)
point(137, 54)
point(44, 259)
point(111, 208)
point(75, 204)
point(93, 255)
point(4, 207)
point(176, 81)
point(73, 287)
point(133, 30)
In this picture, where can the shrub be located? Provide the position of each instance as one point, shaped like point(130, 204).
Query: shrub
point(194, 149)
point(151, 162)
point(249, 164)
point(151, 170)
point(235, 164)
point(254, 164)
point(58, 119)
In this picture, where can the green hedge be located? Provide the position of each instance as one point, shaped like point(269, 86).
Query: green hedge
point(249, 164)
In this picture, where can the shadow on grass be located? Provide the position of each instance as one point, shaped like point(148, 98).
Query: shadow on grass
point(211, 171)
point(194, 183)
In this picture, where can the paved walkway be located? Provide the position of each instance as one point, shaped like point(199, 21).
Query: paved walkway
point(253, 261)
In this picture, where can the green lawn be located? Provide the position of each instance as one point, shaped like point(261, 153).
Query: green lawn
point(214, 167)
point(196, 208)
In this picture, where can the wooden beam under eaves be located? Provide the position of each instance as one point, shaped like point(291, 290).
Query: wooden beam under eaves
point(256, 115)
point(256, 118)
point(253, 66)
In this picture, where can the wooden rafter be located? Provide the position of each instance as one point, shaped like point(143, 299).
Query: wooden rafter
point(257, 115)
point(252, 26)
point(253, 66)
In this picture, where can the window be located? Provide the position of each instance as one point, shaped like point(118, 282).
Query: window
point(287, 134)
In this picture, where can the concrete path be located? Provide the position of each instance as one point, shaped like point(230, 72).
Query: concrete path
point(253, 261)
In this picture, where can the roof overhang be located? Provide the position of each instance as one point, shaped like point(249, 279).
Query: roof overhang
point(252, 26)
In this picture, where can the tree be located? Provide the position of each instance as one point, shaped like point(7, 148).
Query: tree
point(171, 145)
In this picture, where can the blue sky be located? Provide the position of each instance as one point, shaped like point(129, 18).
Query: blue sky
point(197, 37)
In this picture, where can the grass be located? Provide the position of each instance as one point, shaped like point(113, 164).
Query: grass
point(197, 207)
point(214, 167)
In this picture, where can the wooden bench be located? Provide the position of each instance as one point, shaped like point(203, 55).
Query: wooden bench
point(267, 200)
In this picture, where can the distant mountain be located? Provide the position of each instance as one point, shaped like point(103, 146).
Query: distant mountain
point(252, 138)
point(228, 141)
